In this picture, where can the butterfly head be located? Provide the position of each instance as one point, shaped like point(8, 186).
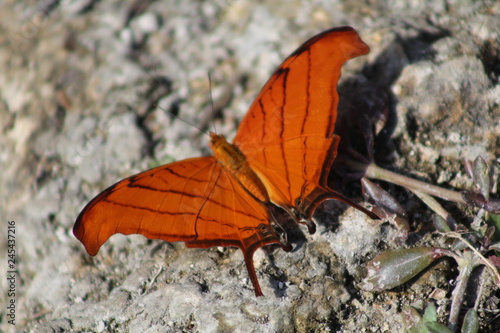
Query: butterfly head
point(215, 138)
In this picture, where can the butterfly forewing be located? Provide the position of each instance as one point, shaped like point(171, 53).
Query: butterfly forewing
point(287, 135)
point(193, 200)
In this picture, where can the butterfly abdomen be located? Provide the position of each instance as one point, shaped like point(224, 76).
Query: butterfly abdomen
point(233, 161)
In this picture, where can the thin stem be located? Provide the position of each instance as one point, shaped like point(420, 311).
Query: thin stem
point(465, 267)
point(375, 172)
point(485, 261)
point(436, 207)
point(480, 291)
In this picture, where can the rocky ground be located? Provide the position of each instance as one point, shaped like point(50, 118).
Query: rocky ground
point(77, 91)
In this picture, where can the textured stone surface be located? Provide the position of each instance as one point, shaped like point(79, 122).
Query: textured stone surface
point(76, 90)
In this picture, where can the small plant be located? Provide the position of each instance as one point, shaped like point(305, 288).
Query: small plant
point(470, 245)
point(428, 323)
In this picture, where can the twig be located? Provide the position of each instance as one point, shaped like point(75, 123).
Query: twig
point(375, 172)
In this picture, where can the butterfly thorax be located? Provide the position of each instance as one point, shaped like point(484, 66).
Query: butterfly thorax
point(234, 161)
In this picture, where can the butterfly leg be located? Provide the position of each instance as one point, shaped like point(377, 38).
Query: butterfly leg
point(279, 230)
point(307, 203)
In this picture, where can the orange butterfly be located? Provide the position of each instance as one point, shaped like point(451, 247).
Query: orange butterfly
point(281, 155)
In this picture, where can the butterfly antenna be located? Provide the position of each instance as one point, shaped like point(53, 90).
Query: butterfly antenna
point(211, 99)
point(184, 120)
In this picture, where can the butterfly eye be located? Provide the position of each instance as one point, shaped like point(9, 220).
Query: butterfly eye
point(299, 201)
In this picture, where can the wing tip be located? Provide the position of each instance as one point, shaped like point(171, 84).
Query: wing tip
point(354, 47)
point(79, 231)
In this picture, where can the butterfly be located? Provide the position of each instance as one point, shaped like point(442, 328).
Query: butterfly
point(281, 155)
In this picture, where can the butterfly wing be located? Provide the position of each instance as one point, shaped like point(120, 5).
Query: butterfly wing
point(194, 200)
point(287, 135)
